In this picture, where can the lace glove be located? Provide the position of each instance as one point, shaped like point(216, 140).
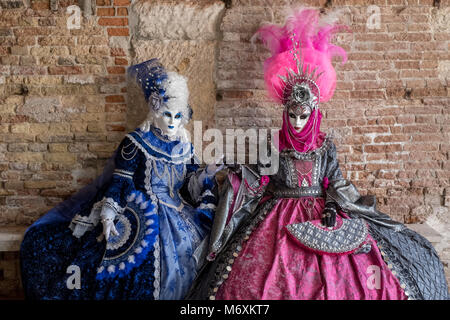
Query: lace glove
point(329, 214)
point(107, 215)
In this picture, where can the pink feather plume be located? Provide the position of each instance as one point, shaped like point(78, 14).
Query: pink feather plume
point(313, 35)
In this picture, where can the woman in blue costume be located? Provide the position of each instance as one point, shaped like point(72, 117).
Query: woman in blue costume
point(138, 230)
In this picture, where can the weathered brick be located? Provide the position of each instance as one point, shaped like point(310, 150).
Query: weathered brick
point(105, 11)
point(118, 32)
point(368, 94)
point(40, 5)
point(121, 61)
point(89, 137)
point(120, 108)
point(17, 147)
point(113, 21)
point(103, 3)
point(115, 127)
point(40, 184)
point(116, 70)
point(122, 12)
point(92, 40)
point(77, 147)
point(64, 70)
point(122, 2)
point(24, 157)
point(116, 117)
point(20, 128)
point(95, 127)
point(115, 98)
point(117, 52)
point(60, 157)
point(58, 147)
point(17, 50)
point(102, 147)
point(38, 147)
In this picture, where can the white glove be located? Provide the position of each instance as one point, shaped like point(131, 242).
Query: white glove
point(211, 170)
point(107, 215)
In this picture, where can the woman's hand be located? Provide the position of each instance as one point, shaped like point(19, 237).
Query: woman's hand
point(109, 228)
point(107, 215)
point(329, 214)
point(211, 170)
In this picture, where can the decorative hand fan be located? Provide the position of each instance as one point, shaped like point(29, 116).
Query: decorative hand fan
point(346, 238)
point(138, 228)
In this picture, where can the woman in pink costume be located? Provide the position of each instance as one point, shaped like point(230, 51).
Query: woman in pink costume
point(309, 234)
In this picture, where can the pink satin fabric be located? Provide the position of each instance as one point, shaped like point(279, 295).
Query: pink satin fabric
point(235, 183)
point(309, 138)
point(272, 266)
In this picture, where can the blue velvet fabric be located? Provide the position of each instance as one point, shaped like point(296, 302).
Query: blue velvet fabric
point(154, 167)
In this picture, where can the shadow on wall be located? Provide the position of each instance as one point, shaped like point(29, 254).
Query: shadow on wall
point(137, 108)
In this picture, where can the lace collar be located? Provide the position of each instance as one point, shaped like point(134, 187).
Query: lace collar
point(160, 135)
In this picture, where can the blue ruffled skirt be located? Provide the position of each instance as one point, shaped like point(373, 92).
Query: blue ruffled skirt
point(54, 262)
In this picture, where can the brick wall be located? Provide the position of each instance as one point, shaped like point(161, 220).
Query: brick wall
point(63, 92)
point(63, 97)
point(62, 100)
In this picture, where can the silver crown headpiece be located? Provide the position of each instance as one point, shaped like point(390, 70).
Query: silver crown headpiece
point(300, 87)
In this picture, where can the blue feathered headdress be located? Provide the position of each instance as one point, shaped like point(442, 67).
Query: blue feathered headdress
point(161, 87)
point(150, 75)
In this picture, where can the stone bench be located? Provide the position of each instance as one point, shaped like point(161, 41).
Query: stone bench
point(10, 285)
point(426, 231)
point(10, 238)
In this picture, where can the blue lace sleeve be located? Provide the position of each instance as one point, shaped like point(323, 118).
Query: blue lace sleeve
point(199, 190)
point(202, 190)
point(122, 185)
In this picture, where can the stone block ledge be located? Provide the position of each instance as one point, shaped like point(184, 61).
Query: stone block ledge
point(11, 237)
point(426, 231)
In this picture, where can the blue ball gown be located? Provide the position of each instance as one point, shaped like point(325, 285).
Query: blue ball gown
point(163, 216)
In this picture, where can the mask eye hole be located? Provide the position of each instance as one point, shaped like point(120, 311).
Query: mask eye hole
point(167, 114)
point(304, 116)
point(178, 116)
point(291, 115)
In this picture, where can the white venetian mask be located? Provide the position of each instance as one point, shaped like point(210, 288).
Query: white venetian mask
point(169, 121)
point(298, 117)
point(169, 117)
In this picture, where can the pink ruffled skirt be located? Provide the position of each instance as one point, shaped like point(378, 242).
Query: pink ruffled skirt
point(272, 266)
